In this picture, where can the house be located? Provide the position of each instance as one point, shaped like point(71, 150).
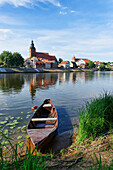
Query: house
point(80, 62)
point(40, 59)
point(64, 64)
point(73, 63)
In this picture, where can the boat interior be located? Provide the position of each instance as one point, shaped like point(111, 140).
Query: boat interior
point(44, 117)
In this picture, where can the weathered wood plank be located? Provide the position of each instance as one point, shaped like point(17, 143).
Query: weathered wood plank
point(47, 105)
point(44, 119)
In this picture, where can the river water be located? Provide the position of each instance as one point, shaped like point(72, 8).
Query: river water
point(68, 92)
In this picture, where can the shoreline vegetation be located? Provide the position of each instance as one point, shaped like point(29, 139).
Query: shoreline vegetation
point(92, 146)
point(34, 70)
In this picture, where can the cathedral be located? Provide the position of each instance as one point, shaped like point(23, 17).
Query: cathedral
point(40, 59)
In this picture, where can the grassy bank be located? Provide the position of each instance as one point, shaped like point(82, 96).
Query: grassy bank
point(96, 118)
point(13, 157)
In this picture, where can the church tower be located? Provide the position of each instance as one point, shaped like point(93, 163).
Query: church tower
point(73, 59)
point(32, 50)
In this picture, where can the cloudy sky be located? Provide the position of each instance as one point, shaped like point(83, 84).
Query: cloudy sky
point(64, 28)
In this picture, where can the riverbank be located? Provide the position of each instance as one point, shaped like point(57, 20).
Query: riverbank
point(90, 154)
point(34, 70)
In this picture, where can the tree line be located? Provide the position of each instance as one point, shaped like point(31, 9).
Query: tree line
point(8, 59)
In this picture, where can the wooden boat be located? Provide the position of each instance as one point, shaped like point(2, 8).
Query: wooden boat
point(42, 126)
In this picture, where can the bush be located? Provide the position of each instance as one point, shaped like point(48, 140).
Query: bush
point(96, 118)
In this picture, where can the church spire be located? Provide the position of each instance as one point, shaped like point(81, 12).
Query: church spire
point(32, 45)
point(32, 50)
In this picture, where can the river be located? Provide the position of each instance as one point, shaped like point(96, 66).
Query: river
point(68, 91)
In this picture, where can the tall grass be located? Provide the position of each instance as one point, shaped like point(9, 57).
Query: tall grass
point(96, 117)
point(97, 164)
point(12, 159)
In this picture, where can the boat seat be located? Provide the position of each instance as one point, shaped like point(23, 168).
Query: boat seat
point(47, 105)
point(44, 119)
point(44, 125)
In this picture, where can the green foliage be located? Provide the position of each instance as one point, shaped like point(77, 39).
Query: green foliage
point(102, 67)
point(60, 60)
point(10, 59)
point(90, 64)
point(97, 164)
point(13, 160)
point(96, 118)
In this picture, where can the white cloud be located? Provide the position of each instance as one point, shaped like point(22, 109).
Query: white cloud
point(10, 21)
point(84, 42)
point(4, 34)
point(16, 3)
point(62, 13)
point(26, 3)
point(72, 11)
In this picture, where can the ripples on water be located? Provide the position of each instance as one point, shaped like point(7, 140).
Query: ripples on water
point(68, 92)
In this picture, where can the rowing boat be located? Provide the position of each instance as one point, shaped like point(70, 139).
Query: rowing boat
point(42, 126)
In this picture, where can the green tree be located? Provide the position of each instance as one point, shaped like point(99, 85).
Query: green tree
point(60, 60)
point(5, 57)
point(90, 64)
point(17, 59)
point(9, 59)
point(102, 67)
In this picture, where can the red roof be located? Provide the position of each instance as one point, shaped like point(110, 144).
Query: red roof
point(63, 62)
point(86, 60)
point(45, 56)
point(27, 59)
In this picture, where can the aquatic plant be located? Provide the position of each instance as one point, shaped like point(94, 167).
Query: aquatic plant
point(12, 159)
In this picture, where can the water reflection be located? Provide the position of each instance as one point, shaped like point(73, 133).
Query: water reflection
point(11, 83)
point(75, 77)
point(42, 81)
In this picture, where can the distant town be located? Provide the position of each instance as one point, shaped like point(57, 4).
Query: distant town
point(41, 61)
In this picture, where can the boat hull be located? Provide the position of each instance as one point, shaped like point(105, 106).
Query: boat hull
point(39, 138)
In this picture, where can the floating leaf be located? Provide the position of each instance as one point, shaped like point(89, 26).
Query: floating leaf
point(27, 136)
point(19, 137)
point(4, 142)
point(11, 117)
point(1, 114)
point(12, 127)
point(21, 112)
point(28, 112)
point(18, 117)
point(6, 118)
point(23, 127)
point(3, 122)
point(19, 127)
point(20, 144)
point(23, 131)
point(5, 131)
point(28, 115)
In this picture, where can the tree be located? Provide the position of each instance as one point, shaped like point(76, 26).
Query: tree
point(60, 60)
point(9, 59)
point(17, 59)
point(5, 57)
point(90, 64)
point(102, 67)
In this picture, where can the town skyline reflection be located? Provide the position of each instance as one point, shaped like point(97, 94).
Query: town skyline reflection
point(10, 83)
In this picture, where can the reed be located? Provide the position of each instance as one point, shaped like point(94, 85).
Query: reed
point(12, 159)
point(97, 164)
point(96, 118)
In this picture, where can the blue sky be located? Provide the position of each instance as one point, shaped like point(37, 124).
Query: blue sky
point(64, 28)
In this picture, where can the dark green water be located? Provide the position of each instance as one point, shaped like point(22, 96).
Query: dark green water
point(68, 92)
